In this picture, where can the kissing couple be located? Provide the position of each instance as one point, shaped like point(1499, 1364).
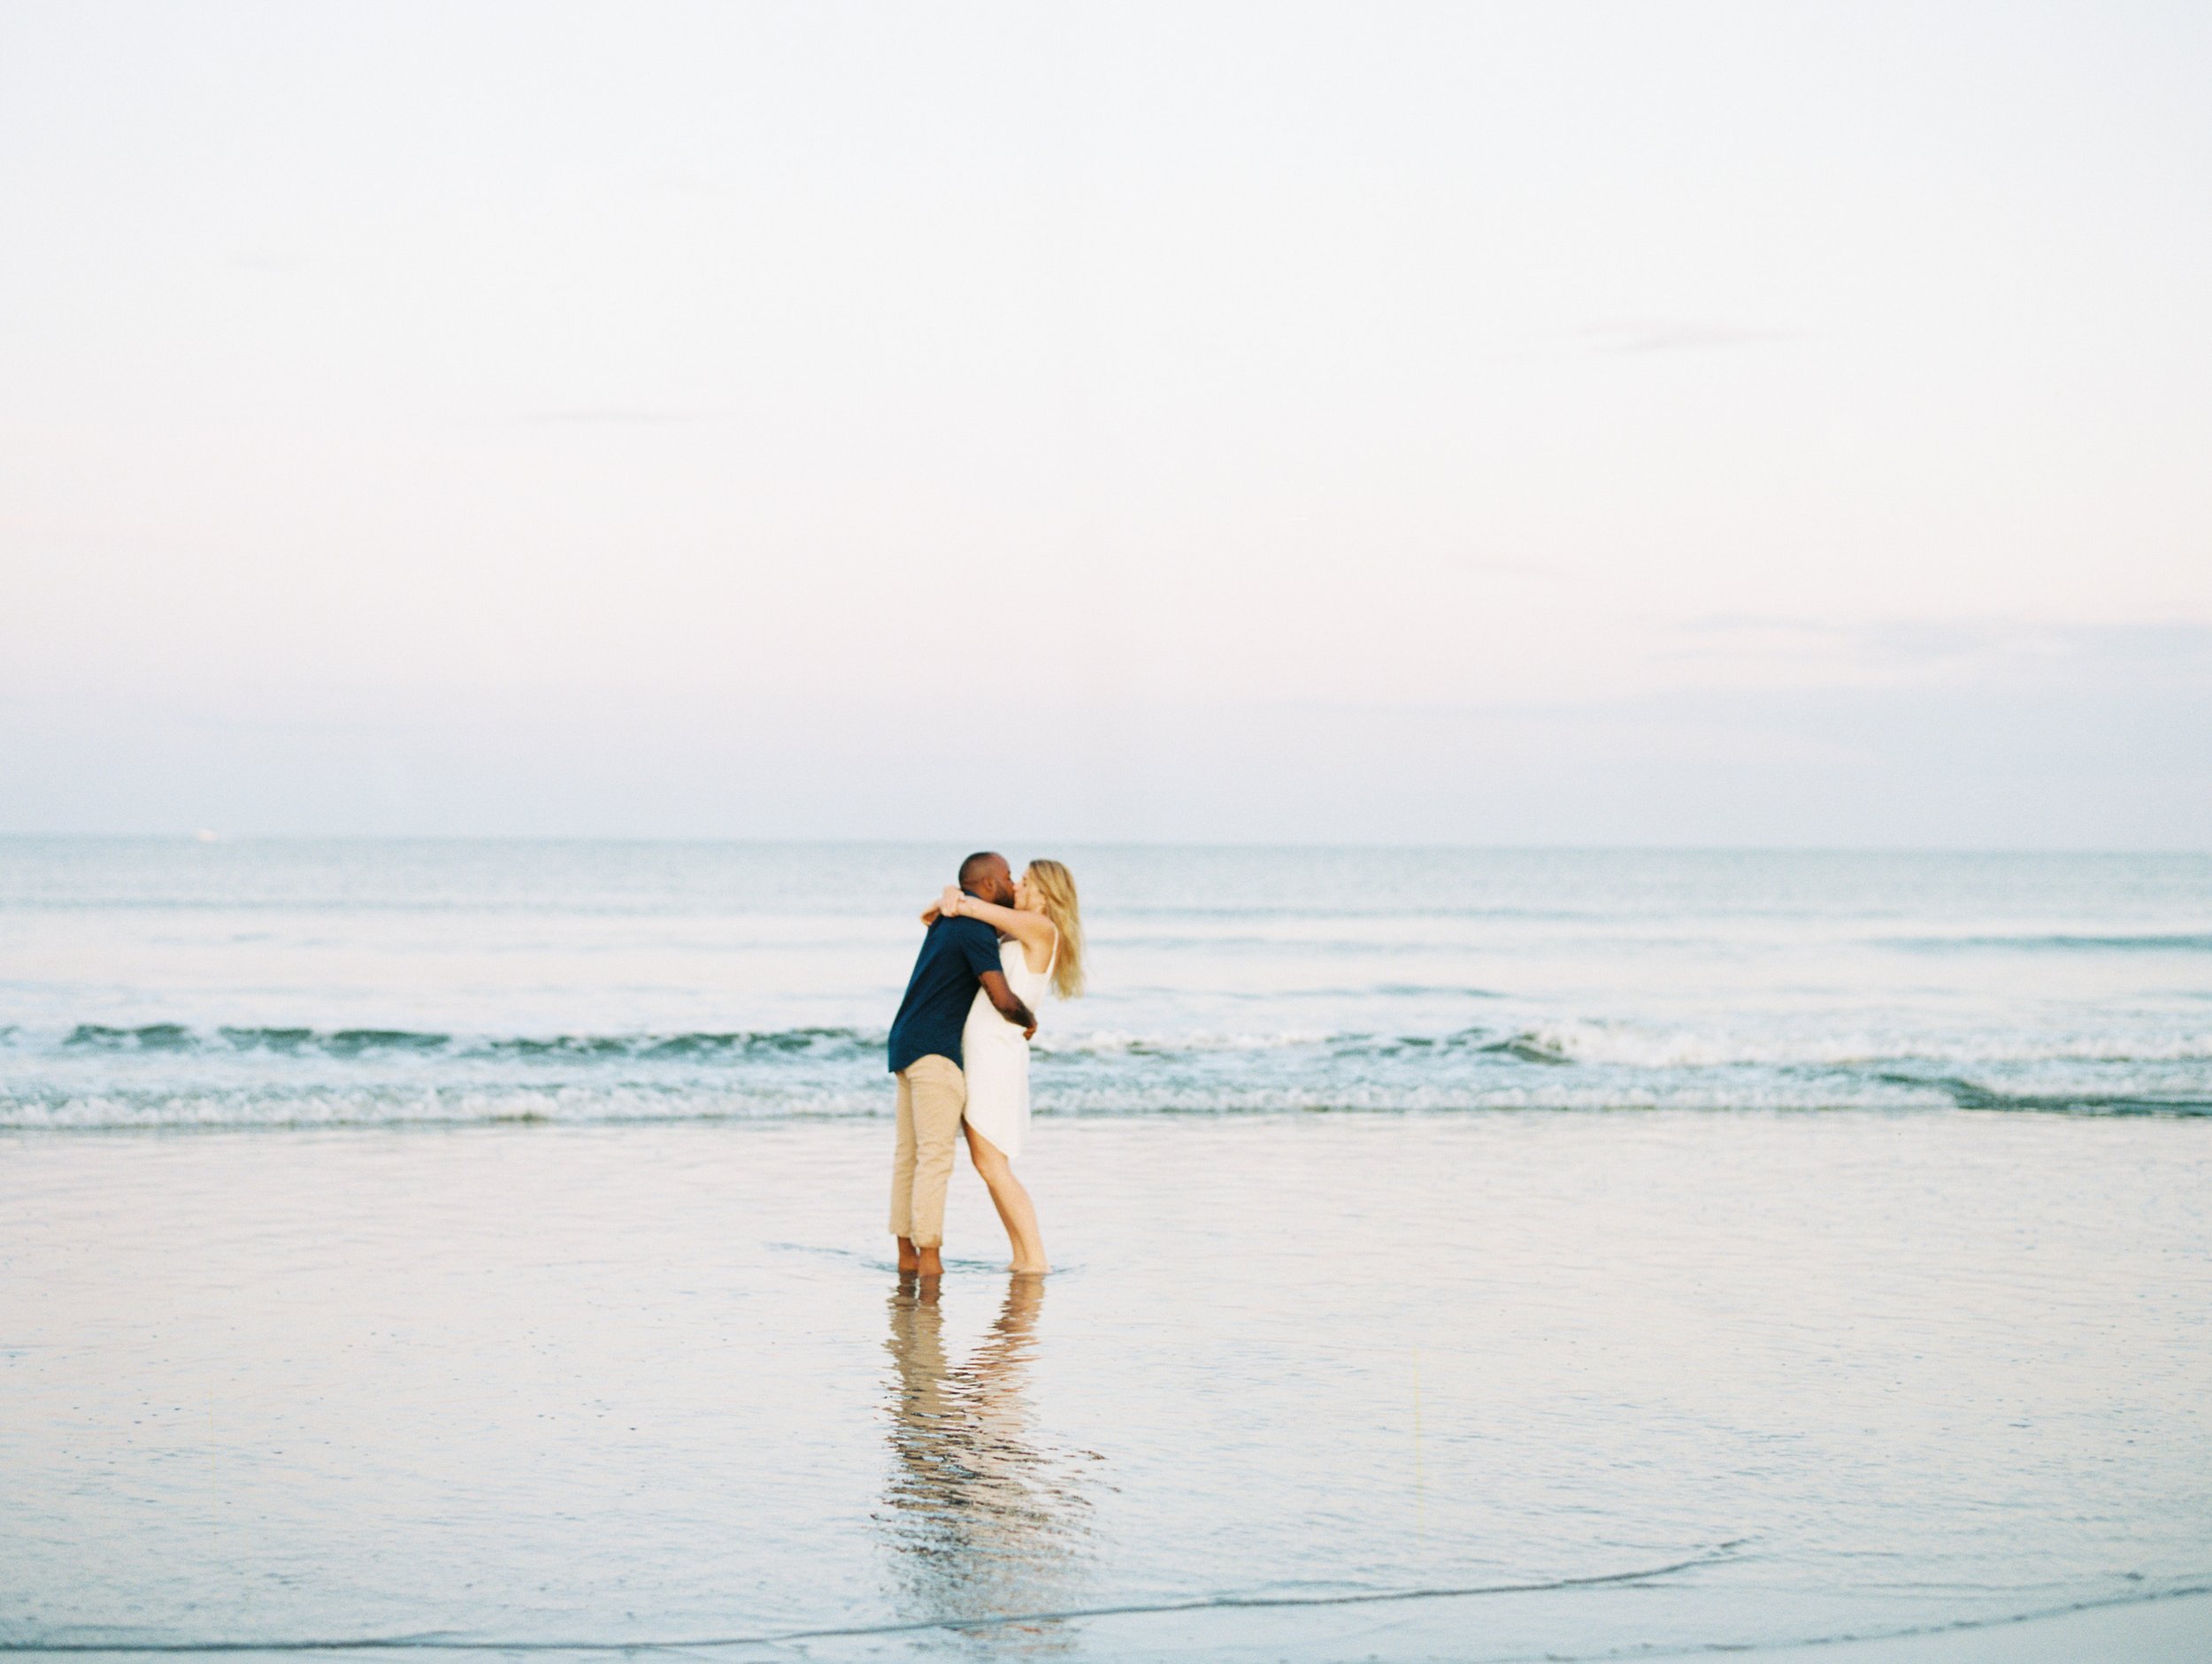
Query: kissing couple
point(960, 1046)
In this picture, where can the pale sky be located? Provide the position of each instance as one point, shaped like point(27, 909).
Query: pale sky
point(1539, 422)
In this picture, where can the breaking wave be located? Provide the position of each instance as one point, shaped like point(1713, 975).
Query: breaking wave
point(350, 1043)
point(2182, 943)
point(1561, 1042)
point(96, 1076)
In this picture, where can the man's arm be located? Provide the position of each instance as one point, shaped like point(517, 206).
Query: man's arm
point(1009, 1002)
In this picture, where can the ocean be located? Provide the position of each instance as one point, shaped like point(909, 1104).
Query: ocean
point(1459, 1255)
point(184, 984)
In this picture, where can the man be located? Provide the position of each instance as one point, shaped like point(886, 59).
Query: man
point(957, 956)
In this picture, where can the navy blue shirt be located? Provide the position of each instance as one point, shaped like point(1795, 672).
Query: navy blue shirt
point(955, 955)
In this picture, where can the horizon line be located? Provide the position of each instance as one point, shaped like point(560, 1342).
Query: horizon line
point(215, 837)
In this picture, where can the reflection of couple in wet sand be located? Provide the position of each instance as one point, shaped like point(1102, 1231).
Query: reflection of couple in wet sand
point(960, 1046)
point(986, 1520)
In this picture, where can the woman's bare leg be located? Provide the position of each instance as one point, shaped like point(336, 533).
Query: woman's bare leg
point(1016, 1211)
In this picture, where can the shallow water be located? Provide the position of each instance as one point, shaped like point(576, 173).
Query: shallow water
point(151, 983)
point(1468, 1255)
point(1776, 1375)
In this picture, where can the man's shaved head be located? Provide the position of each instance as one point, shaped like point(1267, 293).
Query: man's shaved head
point(978, 867)
point(986, 876)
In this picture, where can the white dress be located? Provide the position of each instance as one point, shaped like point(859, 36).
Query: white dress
point(996, 1057)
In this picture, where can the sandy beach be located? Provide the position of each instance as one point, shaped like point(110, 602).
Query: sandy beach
point(1311, 1387)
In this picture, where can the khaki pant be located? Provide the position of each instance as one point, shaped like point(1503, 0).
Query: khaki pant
point(932, 1097)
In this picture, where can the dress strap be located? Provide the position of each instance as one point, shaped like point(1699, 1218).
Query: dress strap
point(1055, 958)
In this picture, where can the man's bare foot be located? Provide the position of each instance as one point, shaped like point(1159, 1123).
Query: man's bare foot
point(1038, 1269)
point(929, 1262)
point(909, 1261)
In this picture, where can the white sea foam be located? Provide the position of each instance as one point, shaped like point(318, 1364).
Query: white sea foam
point(1651, 1046)
point(1104, 1093)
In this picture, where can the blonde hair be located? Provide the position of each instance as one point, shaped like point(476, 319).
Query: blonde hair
point(1057, 884)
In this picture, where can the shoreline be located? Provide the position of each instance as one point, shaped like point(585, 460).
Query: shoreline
point(2174, 1626)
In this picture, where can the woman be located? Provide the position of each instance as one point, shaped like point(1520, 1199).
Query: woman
point(1042, 944)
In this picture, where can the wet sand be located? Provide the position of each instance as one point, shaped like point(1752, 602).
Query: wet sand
point(2173, 1627)
point(1317, 1388)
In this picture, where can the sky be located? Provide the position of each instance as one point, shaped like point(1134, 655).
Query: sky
point(1760, 424)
